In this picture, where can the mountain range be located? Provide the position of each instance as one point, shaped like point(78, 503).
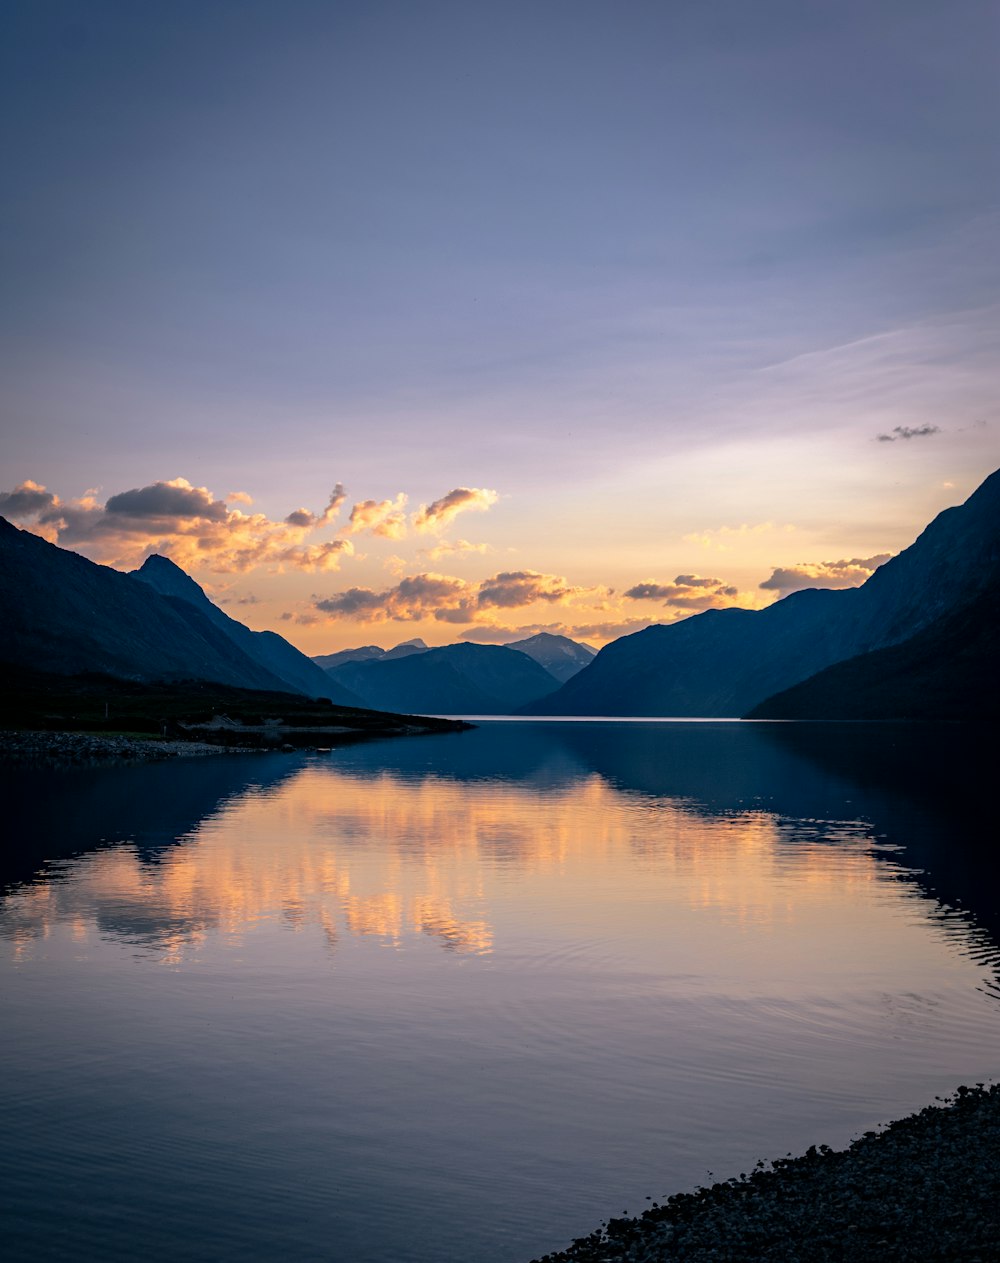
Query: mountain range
point(917, 640)
point(460, 679)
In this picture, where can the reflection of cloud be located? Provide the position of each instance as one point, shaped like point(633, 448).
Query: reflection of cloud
point(824, 574)
point(395, 858)
point(432, 517)
point(185, 522)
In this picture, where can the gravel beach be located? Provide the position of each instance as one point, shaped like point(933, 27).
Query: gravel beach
point(926, 1187)
point(75, 748)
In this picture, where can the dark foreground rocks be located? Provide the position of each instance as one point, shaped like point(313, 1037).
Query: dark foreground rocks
point(926, 1187)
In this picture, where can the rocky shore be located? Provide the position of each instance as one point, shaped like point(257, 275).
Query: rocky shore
point(924, 1188)
point(79, 748)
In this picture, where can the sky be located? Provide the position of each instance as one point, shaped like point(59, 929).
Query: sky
point(467, 320)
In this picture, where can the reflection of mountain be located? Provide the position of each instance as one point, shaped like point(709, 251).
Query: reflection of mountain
point(726, 662)
point(398, 843)
point(51, 815)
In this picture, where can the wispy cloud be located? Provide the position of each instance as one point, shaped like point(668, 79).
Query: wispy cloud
point(908, 432)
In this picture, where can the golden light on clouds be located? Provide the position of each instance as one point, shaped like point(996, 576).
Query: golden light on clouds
point(227, 538)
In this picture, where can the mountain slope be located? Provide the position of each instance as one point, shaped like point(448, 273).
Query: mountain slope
point(462, 679)
point(949, 670)
point(297, 672)
point(64, 614)
point(559, 655)
point(726, 662)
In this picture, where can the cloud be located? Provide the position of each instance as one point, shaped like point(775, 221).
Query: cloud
point(433, 517)
point(386, 518)
point(27, 500)
point(846, 573)
point(301, 517)
point(307, 520)
point(447, 599)
point(513, 588)
point(908, 432)
point(174, 499)
point(687, 592)
point(183, 521)
point(723, 538)
point(418, 596)
point(447, 548)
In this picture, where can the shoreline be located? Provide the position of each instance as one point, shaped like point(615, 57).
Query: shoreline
point(925, 1187)
point(78, 749)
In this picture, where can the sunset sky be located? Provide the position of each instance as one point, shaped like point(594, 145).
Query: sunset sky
point(472, 319)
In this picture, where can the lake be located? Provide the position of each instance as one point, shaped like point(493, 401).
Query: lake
point(459, 998)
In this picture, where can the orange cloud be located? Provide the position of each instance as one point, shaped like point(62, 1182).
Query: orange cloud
point(433, 517)
point(386, 518)
point(447, 599)
point(846, 573)
point(687, 592)
point(181, 520)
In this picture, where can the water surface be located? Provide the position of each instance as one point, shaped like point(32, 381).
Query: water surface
point(462, 997)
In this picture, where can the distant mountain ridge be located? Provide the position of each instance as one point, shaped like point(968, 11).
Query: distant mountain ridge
point(559, 655)
point(727, 662)
point(461, 679)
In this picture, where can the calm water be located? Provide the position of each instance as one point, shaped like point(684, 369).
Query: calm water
point(460, 998)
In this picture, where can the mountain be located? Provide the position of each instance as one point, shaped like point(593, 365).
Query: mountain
point(949, 670)
point(407, 648)
point(328, 661)
point(297, 673)
point(726, 662)
point(64, 614)
point(559, 655)
point(462, 679)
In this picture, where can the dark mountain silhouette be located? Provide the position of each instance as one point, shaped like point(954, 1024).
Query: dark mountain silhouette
point(328, 661)
point(559, 655)
point(726, 662)
point(949, 670)
point(463, 679)
point(66, 615)
point(298, 673)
